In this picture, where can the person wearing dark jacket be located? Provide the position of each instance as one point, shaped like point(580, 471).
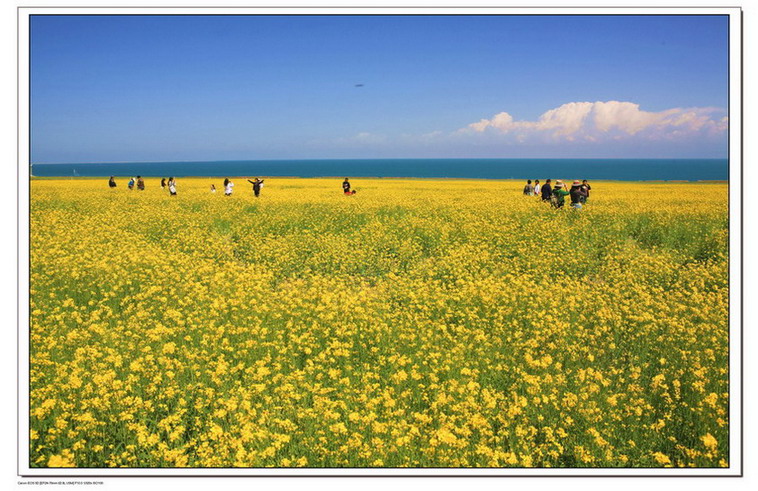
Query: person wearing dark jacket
point(112, 182)
point(587, 188)
point(346, 188)
point(546, 190)
point(256, 186)
point(578, 194)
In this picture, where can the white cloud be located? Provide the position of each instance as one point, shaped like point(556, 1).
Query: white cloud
point(605, 121)
point(369, 138)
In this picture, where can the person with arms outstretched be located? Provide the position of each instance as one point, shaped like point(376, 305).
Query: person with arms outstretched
point(257, 185)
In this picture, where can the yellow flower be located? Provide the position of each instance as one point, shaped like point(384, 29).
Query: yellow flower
point(63, 460)
point(444, 435)
point(662, 459)
point(709, 441)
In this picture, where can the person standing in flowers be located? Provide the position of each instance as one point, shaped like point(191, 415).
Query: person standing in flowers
point(529, 189)
point(559, 194)
point(577, 194)
point(587, 188)
point(546, 190)
point(140, 183)
point(537, 187)
point(111, 183)
point(172, 186)
point(228, 187)
point(257, 185)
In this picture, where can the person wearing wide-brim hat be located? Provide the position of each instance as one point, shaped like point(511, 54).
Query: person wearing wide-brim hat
point(577, 194)
point(559, 193)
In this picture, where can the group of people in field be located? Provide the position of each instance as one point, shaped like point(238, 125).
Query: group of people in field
point(140, 183)
point(553, 194)
point(228, 185)
point(556, 195)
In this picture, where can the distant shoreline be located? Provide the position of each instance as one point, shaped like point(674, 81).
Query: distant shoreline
point(488, 169)
point(427, 159)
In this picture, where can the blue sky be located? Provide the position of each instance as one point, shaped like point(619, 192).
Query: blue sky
point(153, 88)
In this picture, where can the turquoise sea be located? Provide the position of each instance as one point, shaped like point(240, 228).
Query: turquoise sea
point(599, 169)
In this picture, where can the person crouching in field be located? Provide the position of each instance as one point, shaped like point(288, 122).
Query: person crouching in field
point(537, 187)
point(577, 194)
point(131, 184)
point(140, 183)
point(172, 186)
point(213, 188)
point(257, 185)
point(111, 183)
point(163, 184)
point(546, 190)
point(228, 185)
point(529, 189)
point(346, 188)
point(559, 194)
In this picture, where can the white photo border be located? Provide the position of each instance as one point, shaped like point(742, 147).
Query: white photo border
point(735, 157)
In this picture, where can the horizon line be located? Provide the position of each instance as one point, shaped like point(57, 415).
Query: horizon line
point(368, 159)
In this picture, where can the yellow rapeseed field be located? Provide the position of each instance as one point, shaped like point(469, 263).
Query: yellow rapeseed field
point(419, 323)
